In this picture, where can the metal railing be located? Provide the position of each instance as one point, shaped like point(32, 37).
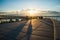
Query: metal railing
point(54, 24)
point(53, 17)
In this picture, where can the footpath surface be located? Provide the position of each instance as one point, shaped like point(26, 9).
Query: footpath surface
point(34, 29)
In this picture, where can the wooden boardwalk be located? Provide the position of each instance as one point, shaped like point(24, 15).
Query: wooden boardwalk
point(35, 29)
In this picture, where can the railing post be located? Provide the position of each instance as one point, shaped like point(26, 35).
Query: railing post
point(10, 20)
point(17, 19)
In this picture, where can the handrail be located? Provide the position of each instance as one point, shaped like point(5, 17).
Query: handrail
point(54, 25)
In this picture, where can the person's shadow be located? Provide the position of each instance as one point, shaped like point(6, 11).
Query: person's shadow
point(29, 31)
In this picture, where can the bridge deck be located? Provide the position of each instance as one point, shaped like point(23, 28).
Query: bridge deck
point(34, 29)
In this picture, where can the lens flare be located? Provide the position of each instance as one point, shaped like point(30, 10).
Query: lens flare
point(32, 12)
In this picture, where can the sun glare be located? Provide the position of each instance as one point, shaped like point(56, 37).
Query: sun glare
point(32, 12)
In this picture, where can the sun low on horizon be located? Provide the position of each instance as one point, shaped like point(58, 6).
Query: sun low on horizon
point(6, 5)
point(19, 7)
point(32, 12)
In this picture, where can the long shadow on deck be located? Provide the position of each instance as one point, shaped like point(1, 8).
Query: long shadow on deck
point(29, 31)
point(11, 35)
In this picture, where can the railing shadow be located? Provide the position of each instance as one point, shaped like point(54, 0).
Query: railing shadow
point(29, 31)
point(11, 35)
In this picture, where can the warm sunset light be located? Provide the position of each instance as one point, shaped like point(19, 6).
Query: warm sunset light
point(32, 12)
point(29, 19)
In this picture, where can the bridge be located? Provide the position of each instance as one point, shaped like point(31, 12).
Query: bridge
point(35, 28)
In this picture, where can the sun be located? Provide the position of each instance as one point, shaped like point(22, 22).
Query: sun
point(32, 12)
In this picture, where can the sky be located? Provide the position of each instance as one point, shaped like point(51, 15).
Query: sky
point(9, 5)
